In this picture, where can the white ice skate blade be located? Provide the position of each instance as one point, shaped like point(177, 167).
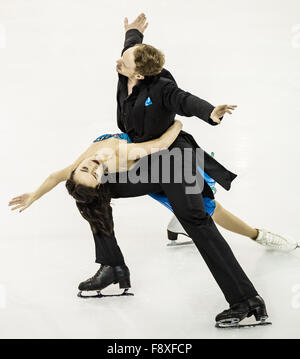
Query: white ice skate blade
point(100, 294)
point(178, 243)
point(235, 323)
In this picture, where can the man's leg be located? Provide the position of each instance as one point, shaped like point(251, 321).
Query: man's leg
point(190, 211)
point(113, 269)
point(107, 250)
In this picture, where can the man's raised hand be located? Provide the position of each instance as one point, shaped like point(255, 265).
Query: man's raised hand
point(220, 111)
point(139, 23)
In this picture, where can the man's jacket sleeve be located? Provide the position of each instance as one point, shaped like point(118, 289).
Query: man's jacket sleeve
point(185, 104)
point(132, 37)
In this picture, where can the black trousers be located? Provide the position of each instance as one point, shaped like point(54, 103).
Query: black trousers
point(190, 211)
point(107, 250)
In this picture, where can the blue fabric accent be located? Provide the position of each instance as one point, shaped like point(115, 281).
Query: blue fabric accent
point(163, 199)
point(148, 102)
point(210, 181)
point(121, 136)
point(209, 203)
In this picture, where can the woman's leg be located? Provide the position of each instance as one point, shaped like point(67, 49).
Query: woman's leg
point(232, 223)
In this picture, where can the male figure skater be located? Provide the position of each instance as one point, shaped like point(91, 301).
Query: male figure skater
point(148, 100)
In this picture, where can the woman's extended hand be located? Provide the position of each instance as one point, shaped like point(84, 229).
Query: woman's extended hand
point(23, 201)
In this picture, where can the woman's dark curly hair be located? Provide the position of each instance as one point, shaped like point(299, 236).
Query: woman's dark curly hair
point(93, 204)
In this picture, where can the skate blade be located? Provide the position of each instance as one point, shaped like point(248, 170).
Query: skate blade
point(236, 323)
point(101, 295)
point(176, 243)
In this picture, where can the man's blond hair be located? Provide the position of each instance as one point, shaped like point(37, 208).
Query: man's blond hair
point(149, 60)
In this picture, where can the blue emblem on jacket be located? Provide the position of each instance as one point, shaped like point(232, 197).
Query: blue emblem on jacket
point(148, 102)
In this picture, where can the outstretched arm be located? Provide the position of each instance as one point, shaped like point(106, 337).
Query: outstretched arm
point(134, 31)
point(138, 150)
point(185, 104)
point(25, 200)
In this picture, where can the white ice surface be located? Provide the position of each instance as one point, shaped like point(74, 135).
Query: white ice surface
point(175, 295)
point(57, 93)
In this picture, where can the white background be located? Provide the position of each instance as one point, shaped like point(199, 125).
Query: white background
point(58, 93)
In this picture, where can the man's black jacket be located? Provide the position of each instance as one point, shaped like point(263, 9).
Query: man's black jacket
point(150, 122)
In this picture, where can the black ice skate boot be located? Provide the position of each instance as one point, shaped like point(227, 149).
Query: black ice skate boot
point(231, 318)
point(106, 276)
point(123, 276)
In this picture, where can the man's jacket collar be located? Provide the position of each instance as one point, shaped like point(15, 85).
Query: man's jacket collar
point(148, 80)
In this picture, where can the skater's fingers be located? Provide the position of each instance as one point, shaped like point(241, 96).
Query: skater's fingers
point(138, 19)
point(232, 107)
point(19, 197)
point(145, 27)
point(141, 22)
point(13, 202)
point(227, 111)
point(143, 18)
point(17, 207)
point(20, 206)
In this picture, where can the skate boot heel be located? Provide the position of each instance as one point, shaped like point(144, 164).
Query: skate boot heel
point(260, 314)
point(172, 236)
point(123, 276)
point(124, 283)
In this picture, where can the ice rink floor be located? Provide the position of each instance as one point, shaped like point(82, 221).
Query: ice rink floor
point(175, 295)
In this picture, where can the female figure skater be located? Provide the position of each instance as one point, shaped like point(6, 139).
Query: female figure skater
point(115, 154)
